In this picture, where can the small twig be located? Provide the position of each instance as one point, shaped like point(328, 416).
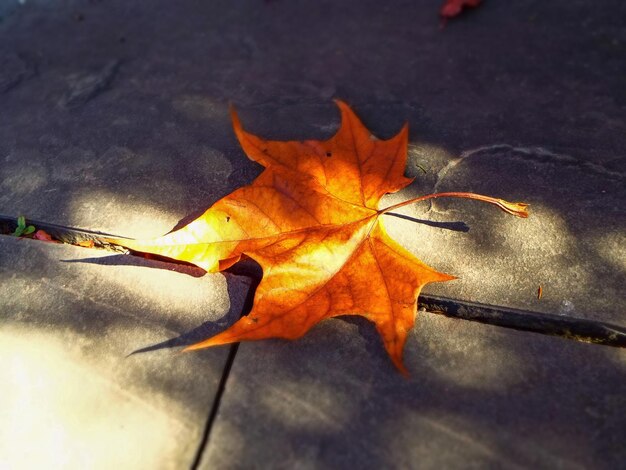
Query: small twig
point(579, 329)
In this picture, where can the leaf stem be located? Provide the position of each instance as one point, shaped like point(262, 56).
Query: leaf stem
point(515, 208)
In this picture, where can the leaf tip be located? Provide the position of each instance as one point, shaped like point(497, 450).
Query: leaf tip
point(235, 118)
point(404, 132)
point(225, 337)
point(346, 110)
point(518, 209)
point(397, 361)
point(195, 347)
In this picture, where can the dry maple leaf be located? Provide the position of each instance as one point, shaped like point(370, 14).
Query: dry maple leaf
point(311, 220)
point(43, 236)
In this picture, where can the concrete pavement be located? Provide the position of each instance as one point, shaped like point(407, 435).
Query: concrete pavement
point(114, 117)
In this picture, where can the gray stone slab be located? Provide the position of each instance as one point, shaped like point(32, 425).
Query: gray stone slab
point(73, 393)
point(115, 117)
point(478, 396)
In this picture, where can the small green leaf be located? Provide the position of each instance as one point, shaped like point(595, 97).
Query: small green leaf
point(21, 228)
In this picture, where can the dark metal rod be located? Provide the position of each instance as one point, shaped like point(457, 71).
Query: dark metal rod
point(579, 329)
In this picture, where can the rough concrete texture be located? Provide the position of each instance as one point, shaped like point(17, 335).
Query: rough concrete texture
point(114, 117)
point(89, 379)
point(478, 397)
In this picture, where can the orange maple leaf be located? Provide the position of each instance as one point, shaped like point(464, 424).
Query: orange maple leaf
point(311, 220)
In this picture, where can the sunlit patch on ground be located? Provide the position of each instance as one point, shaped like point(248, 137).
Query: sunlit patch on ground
point(60, 412)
